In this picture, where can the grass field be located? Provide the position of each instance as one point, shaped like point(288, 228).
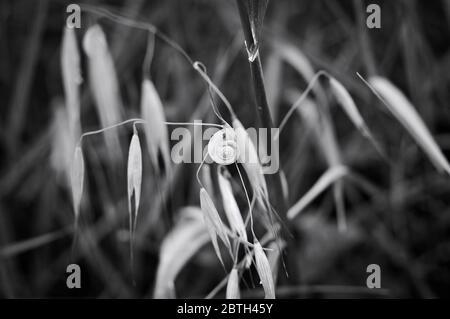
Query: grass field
point(87, 174)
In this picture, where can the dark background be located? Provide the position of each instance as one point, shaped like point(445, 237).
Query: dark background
point(403, 225)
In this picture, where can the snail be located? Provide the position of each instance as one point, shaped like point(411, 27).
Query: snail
point(222, 147)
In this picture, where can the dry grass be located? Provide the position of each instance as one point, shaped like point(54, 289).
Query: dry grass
point(240, 229)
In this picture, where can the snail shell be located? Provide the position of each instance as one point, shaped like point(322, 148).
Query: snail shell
point(222, 147)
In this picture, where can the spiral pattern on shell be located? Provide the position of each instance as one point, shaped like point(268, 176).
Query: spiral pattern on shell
point(222, 147)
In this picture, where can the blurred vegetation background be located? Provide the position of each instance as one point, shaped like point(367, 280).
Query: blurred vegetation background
point(402, 223)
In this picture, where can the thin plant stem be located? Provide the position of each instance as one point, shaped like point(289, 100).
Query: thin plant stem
point(262, 106)
point(248, 201)
point(141, 121)
point(266, 239)
point(198, 171)
point(149, 55)
point(139, 25)
point(299, 101)
point(198, 66)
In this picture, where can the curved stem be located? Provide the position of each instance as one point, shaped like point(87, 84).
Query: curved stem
point(300, 100)
point(248, 201)
point(200, 68)
point(109, 128)
point(139, 25)
point(141, 121)
point(198, 171)
point(157, 33)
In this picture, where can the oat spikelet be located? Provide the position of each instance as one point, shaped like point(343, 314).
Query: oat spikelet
point(104, 83)
point(331, 176)
point(231, 208)
point(177, 248)
point(264, 272)
point(152, 112)
point(248, 157)
point(213, 222)
point(348, 104)
point(233, 285)
point(63, 144)
point(134, 173)
point(407, 115)
point(346, 101)
point(71, 76)
point(274, 257)
point(213, 236)
point(77, 180)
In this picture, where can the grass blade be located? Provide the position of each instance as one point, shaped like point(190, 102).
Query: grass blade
point(329, 177)
point(407, 115)
point(264, 272)
point(231, 208)
point(188, 236)
point(213, 222)
point(348, 104)
point(273, 78)
point(274, 257)
point(296, 59)
point(233, 285)
point(248, 157)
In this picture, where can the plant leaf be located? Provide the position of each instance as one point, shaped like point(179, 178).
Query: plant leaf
point(256, 13)
point(273, 255)
point(407, 115)
point(233, 285)
point(213, 222)
point(347, 103)
point(231, 208)
point(296, 59)
point(180, 244)
point(248, 157)
point(333, 174)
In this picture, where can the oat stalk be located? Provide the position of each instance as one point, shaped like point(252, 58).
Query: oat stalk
point(261, 104)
